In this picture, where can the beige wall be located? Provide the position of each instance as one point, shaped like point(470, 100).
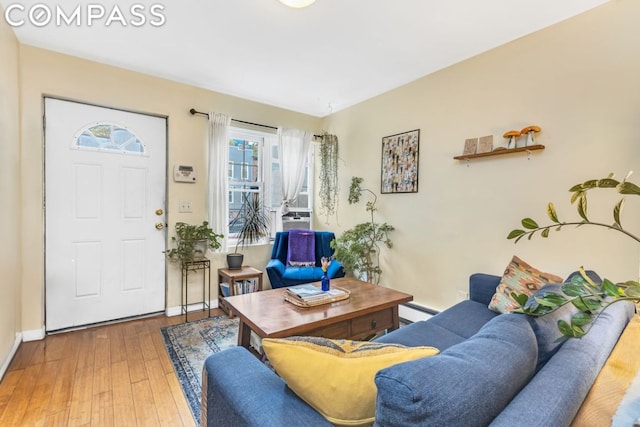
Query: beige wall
point(10, 212)
point(46, 72)
point(578, 80)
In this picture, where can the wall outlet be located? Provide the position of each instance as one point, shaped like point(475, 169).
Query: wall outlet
point(185, 207)
point(463, 295)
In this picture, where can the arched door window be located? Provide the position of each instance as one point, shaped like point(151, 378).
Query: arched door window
point(109, 137)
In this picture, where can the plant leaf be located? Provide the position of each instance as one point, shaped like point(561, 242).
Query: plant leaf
point(627, 187)
point(565, 328)
point(551, 212)
point(608, 182)
point(616, 212)
point(530, 224)
point(610, 289)
point(520, 298)
point(545, 233)
point(515, 233)
point(582, 208)
point(575, 196)
point(581, 319)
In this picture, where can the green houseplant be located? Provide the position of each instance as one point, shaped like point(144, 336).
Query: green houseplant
point(588, 297)
point(358, 248)
point(193, 241)
point(252, 223)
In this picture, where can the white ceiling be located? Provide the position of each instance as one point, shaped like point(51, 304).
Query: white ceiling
point(317, 60)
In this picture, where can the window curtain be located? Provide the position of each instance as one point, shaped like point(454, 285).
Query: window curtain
point(218, 191)
point(294, 146)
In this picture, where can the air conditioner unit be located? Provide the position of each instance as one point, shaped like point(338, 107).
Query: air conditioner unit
point(296, 220)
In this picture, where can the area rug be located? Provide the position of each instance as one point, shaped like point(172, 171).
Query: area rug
point(189, 344)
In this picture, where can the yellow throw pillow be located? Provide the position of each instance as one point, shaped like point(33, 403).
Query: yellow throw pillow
point(336, 377)
point(521, 278)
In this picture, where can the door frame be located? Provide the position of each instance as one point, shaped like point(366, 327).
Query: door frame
point(44, 193)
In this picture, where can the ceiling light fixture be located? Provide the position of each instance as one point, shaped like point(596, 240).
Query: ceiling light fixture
point(298, 4)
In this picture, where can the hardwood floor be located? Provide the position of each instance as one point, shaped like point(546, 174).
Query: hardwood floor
point(112, 375)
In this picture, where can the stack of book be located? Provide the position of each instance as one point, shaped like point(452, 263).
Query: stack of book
point(309, 295)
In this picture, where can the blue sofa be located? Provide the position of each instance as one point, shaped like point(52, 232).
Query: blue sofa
point(282, 275)
point(498, 370)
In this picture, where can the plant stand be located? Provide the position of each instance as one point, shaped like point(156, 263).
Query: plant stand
point(198, 264)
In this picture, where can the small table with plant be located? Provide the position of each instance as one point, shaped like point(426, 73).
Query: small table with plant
point(192, 243)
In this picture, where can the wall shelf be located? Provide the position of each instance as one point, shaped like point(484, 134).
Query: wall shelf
point(500, 152)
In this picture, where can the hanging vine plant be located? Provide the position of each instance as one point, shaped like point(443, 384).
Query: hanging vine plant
point(328, 175)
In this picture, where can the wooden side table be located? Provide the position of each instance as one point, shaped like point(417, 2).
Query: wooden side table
point(239, 281)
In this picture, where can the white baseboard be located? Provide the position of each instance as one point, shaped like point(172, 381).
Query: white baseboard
point(9, 358)
point(33, 335)
point(177, 311)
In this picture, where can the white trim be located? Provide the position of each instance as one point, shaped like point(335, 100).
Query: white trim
point(9, 358)
point(412, 314)
point(33, 335)
point(177, 311)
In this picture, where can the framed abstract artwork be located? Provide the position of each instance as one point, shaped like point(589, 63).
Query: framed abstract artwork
point(400, 162)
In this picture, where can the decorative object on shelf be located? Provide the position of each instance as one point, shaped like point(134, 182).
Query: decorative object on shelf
point(193, 241)
point(530, 132)
point(358, 248)
point(588, 296)
point(485, 144)
point(512, 135)
point(253, 222)
point(400, 162)
point(325, 279)
point(470, 146)
point(328, 175)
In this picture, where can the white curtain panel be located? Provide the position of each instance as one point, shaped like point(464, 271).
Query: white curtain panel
point(218, 191)
point(294, 146)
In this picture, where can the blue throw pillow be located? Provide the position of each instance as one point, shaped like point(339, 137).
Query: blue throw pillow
point(545, 327)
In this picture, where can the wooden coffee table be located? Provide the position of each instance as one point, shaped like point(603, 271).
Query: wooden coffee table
point(370, 309)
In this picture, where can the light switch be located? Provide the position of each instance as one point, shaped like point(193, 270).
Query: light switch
point(185, 207)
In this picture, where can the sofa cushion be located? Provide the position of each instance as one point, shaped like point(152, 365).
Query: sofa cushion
point(467, 384)
point(445, 329)
point(521, 278)
point(335, 377)
point(545, 327)
point(562, 384)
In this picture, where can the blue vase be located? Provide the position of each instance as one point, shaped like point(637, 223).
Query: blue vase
point(325, 282)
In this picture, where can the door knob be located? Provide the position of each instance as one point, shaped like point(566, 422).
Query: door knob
point(159, 212)
point(159, 225)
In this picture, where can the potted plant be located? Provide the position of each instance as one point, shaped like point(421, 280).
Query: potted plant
point(193, 241)
point(252, 223)
point(358, 248)
point(589, 297)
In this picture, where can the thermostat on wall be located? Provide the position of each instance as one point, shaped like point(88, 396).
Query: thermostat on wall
point(184, 173)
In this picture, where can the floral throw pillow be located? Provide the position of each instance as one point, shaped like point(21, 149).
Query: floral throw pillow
point(521, 278)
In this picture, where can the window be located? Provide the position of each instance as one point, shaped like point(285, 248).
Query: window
point(109, 137)
point(254, 168)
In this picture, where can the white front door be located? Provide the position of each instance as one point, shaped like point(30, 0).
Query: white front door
point(105, 181)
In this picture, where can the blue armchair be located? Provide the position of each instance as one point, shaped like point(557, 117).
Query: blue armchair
point(282, 275)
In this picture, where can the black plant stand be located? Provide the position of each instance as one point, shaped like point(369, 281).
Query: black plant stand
point(198, 264)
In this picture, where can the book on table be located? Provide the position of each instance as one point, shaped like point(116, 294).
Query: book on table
point(310, 293)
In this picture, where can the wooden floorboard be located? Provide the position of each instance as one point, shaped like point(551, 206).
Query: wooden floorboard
point(111, 375)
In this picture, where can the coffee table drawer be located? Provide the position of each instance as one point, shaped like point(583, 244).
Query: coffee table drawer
point(335, 331)
point(372, 323)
